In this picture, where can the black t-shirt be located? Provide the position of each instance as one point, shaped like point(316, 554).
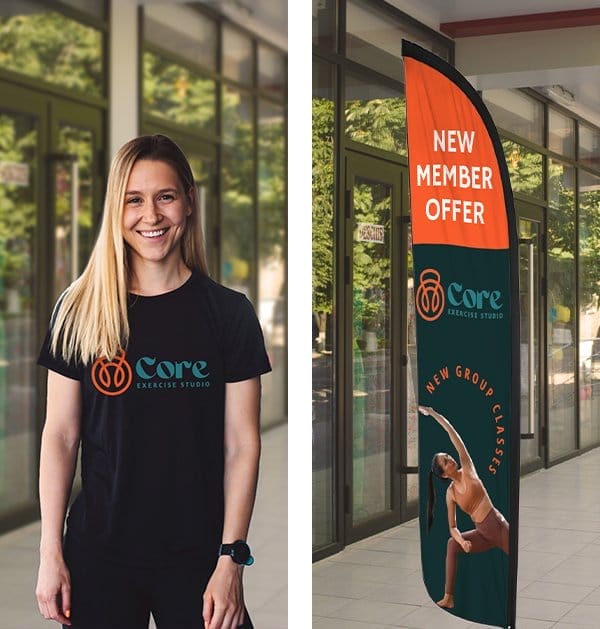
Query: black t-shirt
point(153, 424)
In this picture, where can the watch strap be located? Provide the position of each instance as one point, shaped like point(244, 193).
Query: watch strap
point(230, 549)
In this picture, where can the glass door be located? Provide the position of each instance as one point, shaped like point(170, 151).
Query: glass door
point(23, 136)
point(373, 435)
point(51, 179)
point(531, 240)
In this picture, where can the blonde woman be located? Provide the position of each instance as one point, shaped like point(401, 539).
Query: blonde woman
point(155, 370)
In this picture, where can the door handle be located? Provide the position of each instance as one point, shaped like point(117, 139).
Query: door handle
point(531, 338)
point(74, 219)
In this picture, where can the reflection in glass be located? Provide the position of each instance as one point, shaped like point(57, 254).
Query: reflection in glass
point(561, 133)
point(182, 31)
point(529, 303)
point(371, 347)
point(516, 112)
point(97, 8)
point(271, 71)
point(175, 93)
point(589, 308)
point(375, 114)
point(589, 146)
point(374, 38)
point(323, 304)
point(203, 171)
point(525, 168)
point(47, 45)
point(237, 229)
point(561, 309)
point(271, 254)
point(18, 175)
point(324, 24)
point(238, 59)
point(73, 233)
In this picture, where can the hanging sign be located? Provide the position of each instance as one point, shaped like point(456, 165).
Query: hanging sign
point(371, 233)
point(14, 173)
point(466, 300)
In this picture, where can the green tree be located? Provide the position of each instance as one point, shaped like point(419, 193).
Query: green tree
point(371, 260)
point(589, 244)
point(176, 93)
point(55, 48)
point(379, 122)
point(18, 141)
point(322, 204)
point(525, 168)
point(271, 180)
point(237, 172)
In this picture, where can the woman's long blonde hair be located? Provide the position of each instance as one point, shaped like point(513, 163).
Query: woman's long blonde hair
point(91, 317)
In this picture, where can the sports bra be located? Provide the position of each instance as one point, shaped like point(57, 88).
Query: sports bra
point(471, 498)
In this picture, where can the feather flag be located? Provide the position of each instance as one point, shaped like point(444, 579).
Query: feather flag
point(466, 297)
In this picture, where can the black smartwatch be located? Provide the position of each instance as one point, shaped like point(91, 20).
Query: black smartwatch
point(239, 551)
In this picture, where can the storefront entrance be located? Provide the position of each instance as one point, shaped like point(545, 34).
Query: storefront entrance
point(51, 180)
point(374, 421)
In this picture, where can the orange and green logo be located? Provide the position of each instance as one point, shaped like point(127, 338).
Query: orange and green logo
point(463, 301)
point(112, 377)
point(430, 299)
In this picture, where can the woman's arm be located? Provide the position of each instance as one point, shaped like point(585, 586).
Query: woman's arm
point(454, 532)
point(457, 442)
point(223, 598)
point(58, 457)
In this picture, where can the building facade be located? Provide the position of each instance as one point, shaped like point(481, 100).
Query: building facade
point(79, 78)
point(365, 427)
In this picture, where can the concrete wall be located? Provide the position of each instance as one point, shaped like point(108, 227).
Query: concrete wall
point(123, 74)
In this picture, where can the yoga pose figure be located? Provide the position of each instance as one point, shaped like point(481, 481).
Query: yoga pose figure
point(467, 491)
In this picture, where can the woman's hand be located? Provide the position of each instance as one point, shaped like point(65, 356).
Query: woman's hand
point(223, 597)
point(427, 410)
point(466, 545)
point(53, 591)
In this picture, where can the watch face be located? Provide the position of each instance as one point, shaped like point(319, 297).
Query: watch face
point(241, 552)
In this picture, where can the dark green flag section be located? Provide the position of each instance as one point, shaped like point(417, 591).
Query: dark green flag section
point(466, 299)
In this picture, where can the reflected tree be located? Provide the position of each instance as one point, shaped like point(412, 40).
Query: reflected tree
point(525, 168)
point(55, 48)
point(379, 122)
point(177, 93)
point(237, 190)
point(271, 182)
point(17, 216)
point(322, 204)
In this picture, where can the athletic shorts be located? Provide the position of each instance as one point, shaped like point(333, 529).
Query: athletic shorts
point(109, 595)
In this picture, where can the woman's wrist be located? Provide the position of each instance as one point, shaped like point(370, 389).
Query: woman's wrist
point(225, 562)
point(51, 548)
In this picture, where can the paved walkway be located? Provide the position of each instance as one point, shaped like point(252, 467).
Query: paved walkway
point(376, 583)
point(265, 582)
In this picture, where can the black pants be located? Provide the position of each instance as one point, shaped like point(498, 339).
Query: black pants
point(110, 595)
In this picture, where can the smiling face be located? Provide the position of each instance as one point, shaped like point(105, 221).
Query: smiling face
point(447, 464)
point(155, 212)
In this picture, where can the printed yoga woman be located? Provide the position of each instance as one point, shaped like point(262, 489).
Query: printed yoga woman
point(467, 491)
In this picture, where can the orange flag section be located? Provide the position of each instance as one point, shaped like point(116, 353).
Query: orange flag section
point(456, 193)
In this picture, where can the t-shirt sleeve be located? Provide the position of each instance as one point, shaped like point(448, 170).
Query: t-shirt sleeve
point(245, 354)
point(56, 363)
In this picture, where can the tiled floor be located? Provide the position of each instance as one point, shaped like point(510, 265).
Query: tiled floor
point(265, 583)
point(376, 583)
